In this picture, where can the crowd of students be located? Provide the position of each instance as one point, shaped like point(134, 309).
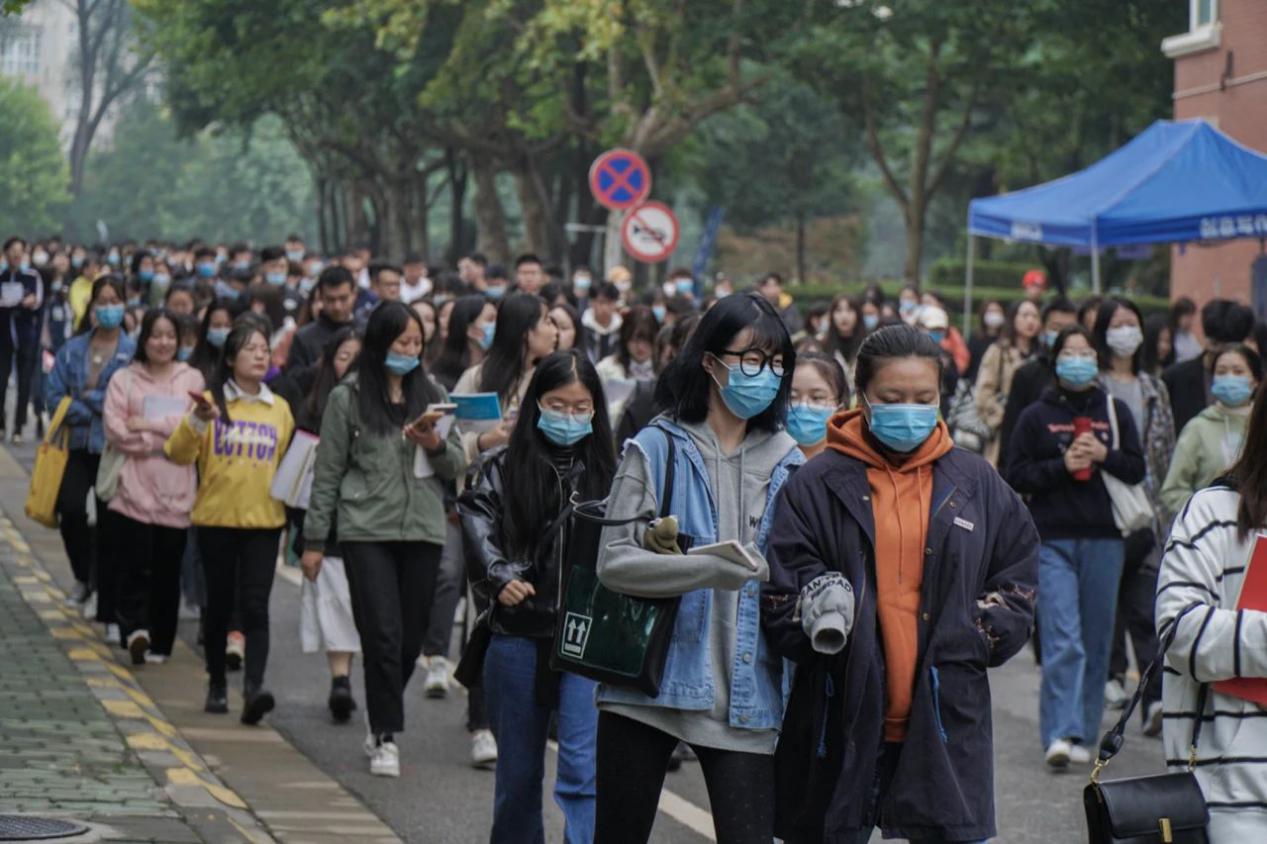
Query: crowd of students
point(910, 503)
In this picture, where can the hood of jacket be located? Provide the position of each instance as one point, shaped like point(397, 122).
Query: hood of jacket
point(591, 324)
point(848, 434)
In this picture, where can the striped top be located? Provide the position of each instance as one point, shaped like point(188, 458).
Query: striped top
point(1200, 584)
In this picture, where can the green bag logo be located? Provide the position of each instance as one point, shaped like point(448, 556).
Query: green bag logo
point(576, 634)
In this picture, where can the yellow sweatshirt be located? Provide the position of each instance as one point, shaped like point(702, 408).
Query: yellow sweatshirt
point(236, 462)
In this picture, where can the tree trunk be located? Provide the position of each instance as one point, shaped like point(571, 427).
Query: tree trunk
point(358, 222)
point(459, 175)
point(914, 243)
point(422, 215)
point(800, 249)
point(490, 217)
point(319, 195)
point(536, 215)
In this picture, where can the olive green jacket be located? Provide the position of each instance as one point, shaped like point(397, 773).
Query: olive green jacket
point(368, 480)
point(1207, 447)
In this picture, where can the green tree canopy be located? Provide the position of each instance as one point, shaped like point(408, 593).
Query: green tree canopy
point(33, 172)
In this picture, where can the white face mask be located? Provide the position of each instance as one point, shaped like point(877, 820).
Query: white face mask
point(1124, 340)
point(993, 319)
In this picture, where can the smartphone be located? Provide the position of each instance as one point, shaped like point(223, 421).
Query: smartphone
point(198, 398)
point(433, 414)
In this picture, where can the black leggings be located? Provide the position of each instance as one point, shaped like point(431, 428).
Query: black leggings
point(632, 761)
point(72, 511)
point(239, 564)
point(147, 571)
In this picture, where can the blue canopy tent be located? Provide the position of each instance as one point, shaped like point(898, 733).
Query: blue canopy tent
point(1176, 181)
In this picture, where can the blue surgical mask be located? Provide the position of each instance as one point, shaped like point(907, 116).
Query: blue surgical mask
point(162, 278)
point(937, 336)
point(660, 312)
point(184, 353)
point(902, 427)
point(401, 364)
point(294, 255)
point(1049, 338)
point(685, 287)
point(113, 259)
point(25, 265)
point(489, 332)
point(77, 261)
point(582, 282)
point(564, 429)
point(496, 292)
point(870, 321)
point(749, 395)
point(242, 266)
point(109, 316)
point(217, 336)
point(906, 306)
point(275, 279)
point(306, 285)
point(206, 270)
point(1231, 390)
point(807, 424)
point(1076, 372)
point(145, 275)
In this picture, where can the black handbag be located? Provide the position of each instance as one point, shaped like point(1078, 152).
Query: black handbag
point(608, 636)
point(1160, 809)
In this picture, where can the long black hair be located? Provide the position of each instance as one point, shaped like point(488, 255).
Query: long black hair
point(1102, 318)
point(85, 322)
point(1151, 360)
point(531, 488)
point(238, 337)
point(387, 322)
point(206, 357)
point(1249, 474)
point(455, 357)
point(833, 342)
point(326, 378)
point(685, 386)
point(506, 361)
point(888, 343)
point(639, 323)
point(148, 322)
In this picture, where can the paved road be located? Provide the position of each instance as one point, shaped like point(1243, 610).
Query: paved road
point(441, 800)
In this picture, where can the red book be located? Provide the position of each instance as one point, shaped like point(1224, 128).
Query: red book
point(1253, 597)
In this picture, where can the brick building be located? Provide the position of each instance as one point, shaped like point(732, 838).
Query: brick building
point(1221, 75)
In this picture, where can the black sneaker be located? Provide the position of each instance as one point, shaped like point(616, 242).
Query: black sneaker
point(341, 702)
point(217, 699)
point(138, 643)
point(259, 702)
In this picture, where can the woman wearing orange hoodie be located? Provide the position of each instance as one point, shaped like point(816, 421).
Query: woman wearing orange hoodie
point(901, 568)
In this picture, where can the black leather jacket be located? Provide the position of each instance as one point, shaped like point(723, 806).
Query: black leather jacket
point(482, 513)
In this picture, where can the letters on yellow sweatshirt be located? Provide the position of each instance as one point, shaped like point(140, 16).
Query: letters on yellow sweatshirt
point(236, 462)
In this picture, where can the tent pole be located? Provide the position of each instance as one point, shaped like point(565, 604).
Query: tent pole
point(967, 287)
point(1095, 261)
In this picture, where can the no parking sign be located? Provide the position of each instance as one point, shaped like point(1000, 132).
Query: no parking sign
point(620, 179)
point(650, 232)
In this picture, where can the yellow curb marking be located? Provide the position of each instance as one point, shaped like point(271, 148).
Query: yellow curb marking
point(65, 633)
point(26, 580)
point(140, 697)
point(184, 776)
point(119, 671)
point(162, 726)
point(84, 655)
point(123, 709)
point(102, 683)
point(153, 741)
point(52, 615)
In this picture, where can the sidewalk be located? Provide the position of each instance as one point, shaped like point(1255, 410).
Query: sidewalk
point(130, 751)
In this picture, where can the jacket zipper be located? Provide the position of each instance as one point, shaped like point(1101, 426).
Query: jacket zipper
point(822, 735)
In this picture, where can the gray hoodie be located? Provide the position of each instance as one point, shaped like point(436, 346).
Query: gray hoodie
point(739, 483)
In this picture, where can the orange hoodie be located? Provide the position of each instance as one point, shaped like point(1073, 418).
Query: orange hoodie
point(901, 496)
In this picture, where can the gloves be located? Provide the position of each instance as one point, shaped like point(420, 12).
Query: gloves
point(827, 612)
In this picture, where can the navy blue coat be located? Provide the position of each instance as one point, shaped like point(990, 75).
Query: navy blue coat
point(981, 542)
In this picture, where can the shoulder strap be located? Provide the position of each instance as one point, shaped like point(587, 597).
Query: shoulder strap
point(595, 511)
point(1117, 439)
point(1114, 739)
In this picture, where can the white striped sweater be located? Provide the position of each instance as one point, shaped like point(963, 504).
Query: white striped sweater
point(1202, 571)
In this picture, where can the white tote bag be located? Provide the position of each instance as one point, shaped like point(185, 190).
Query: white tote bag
point(1132, 510)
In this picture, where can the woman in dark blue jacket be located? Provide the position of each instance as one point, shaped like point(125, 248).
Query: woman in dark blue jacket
point(1059, 454)
point(901, 568)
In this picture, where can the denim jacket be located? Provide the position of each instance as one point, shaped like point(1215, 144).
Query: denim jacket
point(84, 418)
point(756, 686)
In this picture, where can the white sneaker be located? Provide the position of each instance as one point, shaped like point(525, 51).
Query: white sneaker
point(1058, 753)
point(113, 635)
point(386, 760)
point(1080, 754)
point(155, 659)
point(483, 749)
point(89, 607)
point(1115, 696)
point(437, 683)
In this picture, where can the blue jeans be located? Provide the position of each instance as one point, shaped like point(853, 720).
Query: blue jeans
point(520, 724)
point(1077, 600)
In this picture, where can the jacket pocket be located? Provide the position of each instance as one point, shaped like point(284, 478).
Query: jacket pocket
point(935, 680)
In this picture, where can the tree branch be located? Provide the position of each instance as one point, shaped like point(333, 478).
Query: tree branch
point(948, 155)
point(877, 151)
